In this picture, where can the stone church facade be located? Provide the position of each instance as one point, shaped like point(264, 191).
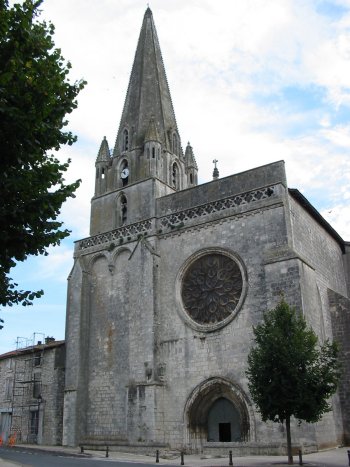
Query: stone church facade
point(164, 293)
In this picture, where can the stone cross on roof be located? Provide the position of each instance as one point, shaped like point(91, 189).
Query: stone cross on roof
point(215, 171)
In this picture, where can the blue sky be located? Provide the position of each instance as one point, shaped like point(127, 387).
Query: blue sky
point(252, 82)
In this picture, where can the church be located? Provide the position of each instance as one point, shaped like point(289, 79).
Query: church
point(164, 293)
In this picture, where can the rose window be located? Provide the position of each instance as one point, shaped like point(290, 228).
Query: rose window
point(211, 288)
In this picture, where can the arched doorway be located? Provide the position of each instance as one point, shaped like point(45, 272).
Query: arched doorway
point(217, 411)
point(224, 422)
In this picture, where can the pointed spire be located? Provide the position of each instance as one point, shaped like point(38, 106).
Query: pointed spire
point(103, 153)
point(151, 133)
point(148, 92)
point(189, 157)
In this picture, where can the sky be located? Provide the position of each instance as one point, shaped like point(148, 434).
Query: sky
point(252, 82)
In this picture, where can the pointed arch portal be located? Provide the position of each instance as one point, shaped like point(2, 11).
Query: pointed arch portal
point(224, 422)
point(217, 411)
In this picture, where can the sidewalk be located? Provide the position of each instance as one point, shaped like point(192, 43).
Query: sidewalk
point(334, 458)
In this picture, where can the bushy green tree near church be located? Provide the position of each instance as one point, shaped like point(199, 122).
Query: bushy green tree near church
point(289, 373)
point(35, 96)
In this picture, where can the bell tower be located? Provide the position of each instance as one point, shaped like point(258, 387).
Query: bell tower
point(147, 157)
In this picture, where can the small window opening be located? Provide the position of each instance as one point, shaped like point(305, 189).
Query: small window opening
point(36, 385)
point(8, 388)
point(125, 140)
point(37, 359)
point(102, 173)
point(147, 153)
point(174, 143)
point(175, 175)
point(123, 209)
point(191, 178)
point(153, 153)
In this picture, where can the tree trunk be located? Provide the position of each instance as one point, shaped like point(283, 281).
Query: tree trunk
point(289, 441)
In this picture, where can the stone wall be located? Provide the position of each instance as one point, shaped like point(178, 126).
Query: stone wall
point(141, 371)
point(318, 248)
point(53, 374)
point(25, 375)
point(251, 180)
point(321, 268)
point(259, 238)
point(340, 313)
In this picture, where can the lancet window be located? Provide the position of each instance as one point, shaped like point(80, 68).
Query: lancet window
point(175, 176)
point(123, 209)
point(125, 140)
point(174, 143)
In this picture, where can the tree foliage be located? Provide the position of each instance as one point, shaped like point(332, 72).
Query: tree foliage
point(289, 374)
point(35, 96)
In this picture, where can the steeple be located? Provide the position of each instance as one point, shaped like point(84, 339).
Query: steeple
point(191, 166)
point(103, 153)
point(148, 161)
point(189, 157)
point(148, 95)
point(102, 164)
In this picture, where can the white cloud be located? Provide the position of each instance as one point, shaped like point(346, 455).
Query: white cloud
point(339, 135)
point(339, 218)
point(56, 265)
point(219, 57)
point(228, 64)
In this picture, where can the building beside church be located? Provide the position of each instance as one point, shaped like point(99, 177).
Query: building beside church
point(31, 393)
point(165, 291)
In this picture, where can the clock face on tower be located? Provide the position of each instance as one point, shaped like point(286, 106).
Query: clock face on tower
point(125, 173)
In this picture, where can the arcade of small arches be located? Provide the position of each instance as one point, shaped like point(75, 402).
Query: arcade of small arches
point(175, 143)
point(152, 152)
point(174, 177)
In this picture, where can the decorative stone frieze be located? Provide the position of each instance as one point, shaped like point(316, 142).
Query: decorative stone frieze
point(117, 234)
point(233, 201)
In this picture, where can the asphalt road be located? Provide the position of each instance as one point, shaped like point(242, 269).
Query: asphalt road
point(21, 456)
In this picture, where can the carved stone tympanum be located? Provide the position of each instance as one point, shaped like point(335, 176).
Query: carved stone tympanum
point(211, 288)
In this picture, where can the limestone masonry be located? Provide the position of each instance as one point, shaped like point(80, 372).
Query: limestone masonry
point(31, 393)
point(163, 295)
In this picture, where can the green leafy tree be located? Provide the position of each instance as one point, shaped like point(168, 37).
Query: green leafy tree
point(289, 374)
point(35, 96)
